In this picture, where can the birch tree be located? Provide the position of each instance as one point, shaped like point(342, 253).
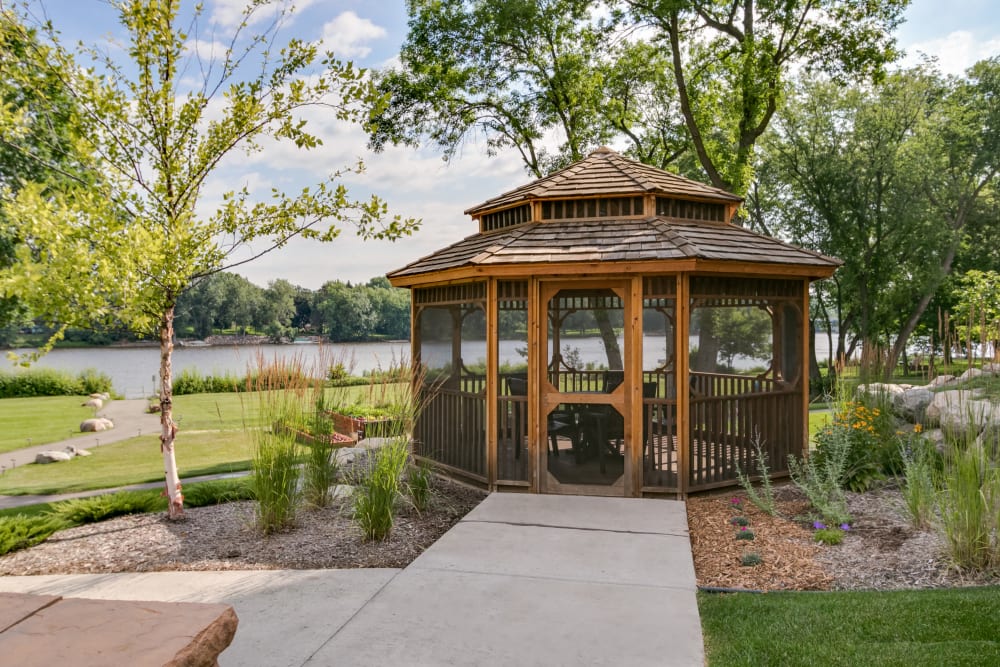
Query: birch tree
point(124, 249)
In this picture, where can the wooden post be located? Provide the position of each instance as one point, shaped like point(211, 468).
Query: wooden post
point(634, 362)
point(492, 382)
point(804, 367)
point(683, 385)
point(536, 371)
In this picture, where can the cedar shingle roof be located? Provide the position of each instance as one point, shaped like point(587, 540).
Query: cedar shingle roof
point(606, 173)
point(654, 238)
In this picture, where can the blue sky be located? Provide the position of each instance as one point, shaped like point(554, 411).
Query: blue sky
point(416, 182)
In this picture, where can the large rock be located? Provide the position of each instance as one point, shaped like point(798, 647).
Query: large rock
point(52, 457)
point(970, 374)
point(957, 411)
point(992, 367)
point(912, 403)
point(96, 425)
point(942, 380)
point(74, 451)
point(883, 389)
point(95, 403)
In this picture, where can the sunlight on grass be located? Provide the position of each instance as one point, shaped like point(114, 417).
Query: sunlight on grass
point(41, 419)
point(131, 462)
point(928, 627)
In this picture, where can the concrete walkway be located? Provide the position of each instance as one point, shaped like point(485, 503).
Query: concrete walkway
point(522, 579)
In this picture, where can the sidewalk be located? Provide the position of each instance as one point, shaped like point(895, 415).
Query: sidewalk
point(522, 579)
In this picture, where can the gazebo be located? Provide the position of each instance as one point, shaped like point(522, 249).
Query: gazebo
point(608, 331)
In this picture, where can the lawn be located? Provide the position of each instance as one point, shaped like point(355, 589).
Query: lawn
point(929, 627)
point(131, 462)
point(35, 421)
point(817, 420)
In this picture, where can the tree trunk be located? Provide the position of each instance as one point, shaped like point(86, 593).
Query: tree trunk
point(175, 500)
point(815, 379)
point(610, 340)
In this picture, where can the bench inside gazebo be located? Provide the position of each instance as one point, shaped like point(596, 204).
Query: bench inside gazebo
point(608, 331)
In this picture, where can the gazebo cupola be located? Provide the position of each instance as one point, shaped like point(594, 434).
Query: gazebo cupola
point(609, 331)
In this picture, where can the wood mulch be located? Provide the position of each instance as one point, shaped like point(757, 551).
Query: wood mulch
point(881, 551)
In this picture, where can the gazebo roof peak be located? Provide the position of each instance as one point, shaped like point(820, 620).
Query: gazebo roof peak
point(605, 173)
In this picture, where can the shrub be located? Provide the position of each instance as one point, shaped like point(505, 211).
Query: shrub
point(750, 559)
point(379, 490)
point(745, 533)
point(867, 427)
point(21, 532)
point(218, 491)
point(764, 499)
point(107, 506)
point(190, 381)
point(919, 463)
point(419, 485)
point(39, 382)
point(822, 480)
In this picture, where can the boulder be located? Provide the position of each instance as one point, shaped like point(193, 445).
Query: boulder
point(95, 403)
point(101, 396)
point(96, 425)
point(936, 437)
point(912, 403)
point(942, 380)
point(880, 388)
point(992, 367)
point(957, 411)
point(971, 373)
point(52, 457)
point(73, 451)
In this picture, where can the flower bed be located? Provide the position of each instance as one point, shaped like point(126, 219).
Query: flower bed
point(363, 427)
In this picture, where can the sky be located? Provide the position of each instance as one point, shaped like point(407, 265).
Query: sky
point(417, 182)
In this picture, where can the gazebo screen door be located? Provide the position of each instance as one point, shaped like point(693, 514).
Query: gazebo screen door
point(584, 392)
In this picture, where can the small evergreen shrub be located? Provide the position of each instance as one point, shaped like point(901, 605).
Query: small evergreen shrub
point(218, 492)
point(21, 532)
point(107, 506)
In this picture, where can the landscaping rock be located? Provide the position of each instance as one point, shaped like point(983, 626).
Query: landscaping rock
point(971, 373)
point(96, 425)
point(936, 437)
point(101, 396)
point(73, 451)
point(992, 367)
point(883, 389)
point(956, 410)
point(913, 402)
point(942, 381)
point(95, 403)
point(52, 457)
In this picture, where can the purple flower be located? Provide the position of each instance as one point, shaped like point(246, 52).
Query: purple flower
point(743, 527)
point(736, 501)
point(845, 526)
point(819, 525)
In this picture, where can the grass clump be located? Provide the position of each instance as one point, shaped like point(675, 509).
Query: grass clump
point(418, 484)
point(919, 468)
point(969, 501)
point(378, 489)
point(21, 531)
point(108, 506)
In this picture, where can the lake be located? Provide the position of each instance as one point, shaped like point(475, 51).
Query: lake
point(134, 370)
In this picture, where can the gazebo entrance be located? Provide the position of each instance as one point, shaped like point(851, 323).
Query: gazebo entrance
point(585, 394)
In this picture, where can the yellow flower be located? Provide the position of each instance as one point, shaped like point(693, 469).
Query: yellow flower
point(917, 428)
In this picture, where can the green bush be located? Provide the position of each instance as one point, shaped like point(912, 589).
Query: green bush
point(107, 506)
point(52, 382)
point(822, 479)
point(217, 492)
point(419, 485)
point(190, 381)
point(379, 490)
point(868, 428)
point(21, 532)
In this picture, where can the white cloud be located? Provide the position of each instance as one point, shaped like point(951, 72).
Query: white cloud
point(955, 52)
point(347, 35)
point(229, 13)
point(205, 50)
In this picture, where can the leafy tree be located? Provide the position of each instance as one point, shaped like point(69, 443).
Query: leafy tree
point(731, 59)
point(126, 248)
point(344, 313)
point(277, 307)
point(977, 310)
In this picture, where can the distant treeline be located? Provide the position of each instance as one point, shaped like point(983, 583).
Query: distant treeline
point(226, 303)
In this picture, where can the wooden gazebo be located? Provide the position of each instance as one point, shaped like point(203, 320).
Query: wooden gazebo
point(609, 332)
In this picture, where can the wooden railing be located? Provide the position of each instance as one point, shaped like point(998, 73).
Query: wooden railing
point(451, 430)
point(723, 429)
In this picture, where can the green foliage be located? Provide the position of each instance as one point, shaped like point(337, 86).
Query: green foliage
point(108, 506)
point(750, 559)
point(275, 480)
point(218, 491)
point(52, 382)
point(920, 461)
point(190, 381)
point(21, 532)
point(969, 500)
point(823, 482)
point(829, 536)
point(418, 483)
point(764, 499)
point(745, 533)
point(378, 489)
point(867, 429)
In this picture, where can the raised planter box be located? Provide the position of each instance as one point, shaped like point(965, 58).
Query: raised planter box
point(362, 427)
point(333, 440)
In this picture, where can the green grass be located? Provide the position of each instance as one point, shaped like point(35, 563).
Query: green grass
point(132, 461)
point(931, 627)
point(817, 420)
point(41, 419)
